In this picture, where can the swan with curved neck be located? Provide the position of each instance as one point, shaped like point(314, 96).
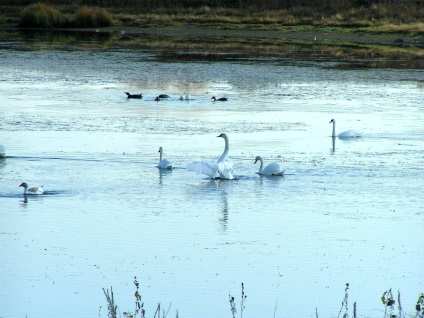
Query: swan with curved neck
point(224, 155)
point(345, 134)
point(273, 169)
point(164, 163)
point(222, 169)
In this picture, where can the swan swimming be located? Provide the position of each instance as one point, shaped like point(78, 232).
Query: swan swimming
point(33, 190)
point(164, 163)
point(345, 134)
point(273, 169)
point(222, 169)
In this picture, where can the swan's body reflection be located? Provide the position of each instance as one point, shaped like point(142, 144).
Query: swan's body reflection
point(163, 173)
point(220, 189)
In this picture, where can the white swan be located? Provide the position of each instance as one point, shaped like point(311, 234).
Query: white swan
point(273, 169)
point(345, 134)
point(2, 151)
point(222, 169)
point(33, 190)
point(164, 163)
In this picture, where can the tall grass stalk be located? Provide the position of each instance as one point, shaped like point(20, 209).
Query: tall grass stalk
point(242, 301)
point(388, 302)
point(111, 306)
point(345, 303)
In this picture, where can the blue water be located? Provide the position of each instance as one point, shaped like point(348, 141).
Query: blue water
point(351, 212)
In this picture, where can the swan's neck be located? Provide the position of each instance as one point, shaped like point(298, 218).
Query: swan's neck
point(262, 165)
point(334, 129)
point(223, 157)
point(25, 190)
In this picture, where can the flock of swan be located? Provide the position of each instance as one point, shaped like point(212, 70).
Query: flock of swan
point(224, 169)
point(221, 169)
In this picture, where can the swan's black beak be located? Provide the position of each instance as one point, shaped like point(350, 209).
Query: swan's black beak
point(220, 135)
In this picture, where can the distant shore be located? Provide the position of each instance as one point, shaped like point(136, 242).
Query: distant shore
point(316, 35)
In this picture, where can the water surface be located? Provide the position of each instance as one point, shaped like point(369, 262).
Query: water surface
point(348, 212)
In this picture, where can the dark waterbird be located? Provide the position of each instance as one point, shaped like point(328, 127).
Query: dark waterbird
point(222, 99)
point(163, 96)
point(134, 95)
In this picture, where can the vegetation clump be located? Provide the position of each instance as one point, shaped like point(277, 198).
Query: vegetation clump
point(90, 18)
point(40, 15)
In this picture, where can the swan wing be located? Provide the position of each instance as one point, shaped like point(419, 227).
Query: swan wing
point(349, 134)
point(225, 170)
point(204, 167)
point(273, 169)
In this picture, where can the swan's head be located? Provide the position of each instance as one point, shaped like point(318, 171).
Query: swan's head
point(160, 149)
point(23, 184)
point(258, 158)
point(332, 121)
point(223, 135)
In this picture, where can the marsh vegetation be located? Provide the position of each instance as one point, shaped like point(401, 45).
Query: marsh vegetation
point(376, 16)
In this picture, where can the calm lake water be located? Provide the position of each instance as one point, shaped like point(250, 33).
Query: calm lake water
point(351, 212)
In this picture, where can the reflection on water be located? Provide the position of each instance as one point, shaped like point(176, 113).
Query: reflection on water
point(109, 214)
point(209, 49)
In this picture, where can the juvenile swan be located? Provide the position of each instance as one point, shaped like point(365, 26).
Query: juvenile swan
point(222, 169)
point(33, 190)
point(164, 163)
point(273, 169)
point(345, 134)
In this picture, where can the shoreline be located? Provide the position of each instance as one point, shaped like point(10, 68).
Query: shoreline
point(363, 49)
point(322, 35)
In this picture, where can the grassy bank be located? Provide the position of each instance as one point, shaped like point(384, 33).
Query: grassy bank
point(405, 16)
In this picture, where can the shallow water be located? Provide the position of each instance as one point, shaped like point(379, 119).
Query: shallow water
point(345, 213)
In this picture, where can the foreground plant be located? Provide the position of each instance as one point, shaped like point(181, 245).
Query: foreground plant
point(233, 303)
point(111, 306)
point(345, 305)
point(419, 307)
